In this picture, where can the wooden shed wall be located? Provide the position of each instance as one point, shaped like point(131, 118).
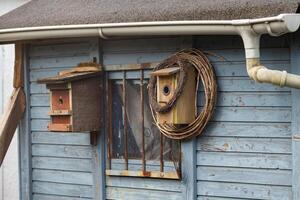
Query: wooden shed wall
point(244, 154)
point(62, 163)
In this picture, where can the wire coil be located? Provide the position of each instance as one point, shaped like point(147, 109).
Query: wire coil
point(183, 59)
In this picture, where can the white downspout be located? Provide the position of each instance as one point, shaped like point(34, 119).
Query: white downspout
point(249, 29)
point(255, 70)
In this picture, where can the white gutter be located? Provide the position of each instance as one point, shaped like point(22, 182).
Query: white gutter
point(249, 29)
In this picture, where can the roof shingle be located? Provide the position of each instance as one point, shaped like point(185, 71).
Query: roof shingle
point(69, 12)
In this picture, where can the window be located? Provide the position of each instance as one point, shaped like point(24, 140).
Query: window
point(135, 147)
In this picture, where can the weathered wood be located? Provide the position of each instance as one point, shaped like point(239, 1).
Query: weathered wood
point(136, 165)
point(237, 175)
point(25, 142)
point(138, 173)
point(225, 84)
point(64, 62)
point(19, 68)
point(135, 194)
point(142, 183)
point(58, 50)
point(10, 120)
point(217, 198)
point(245, 106)
point(249, 129)
point(55, 197)
point(244, 160)
point(242, 99)
point(184, 111)
point(71, 190)
point(247, 145)
point(231, 55)
point(60, 138)
point(65, 151)
point(66, 164)
point(57, 176)
point(249, 191)
point(295, 62)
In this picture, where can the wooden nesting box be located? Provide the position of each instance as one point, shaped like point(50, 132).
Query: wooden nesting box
point(75, 101)
point(184, 111)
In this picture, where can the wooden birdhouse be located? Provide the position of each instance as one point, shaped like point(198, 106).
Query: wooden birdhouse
point(75, 100)
point(184, 111)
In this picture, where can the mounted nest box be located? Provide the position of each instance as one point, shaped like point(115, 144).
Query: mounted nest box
point(75, 99)
point(184, 110)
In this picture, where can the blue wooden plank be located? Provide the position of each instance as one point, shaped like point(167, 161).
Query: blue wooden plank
point(57, 50)
point(229, 114)
point(135, 194)
point(248, 129)
point(250, 114)
point(55, 197)
point(244, 160)
point(249, 191)
point(39, 125)
point(225, 84)
point(253, 99)
point(230, 55)
point(58, 62)
point(250, 145)
point(43, 73)
point(240, 175)
point(66, 164)
point(144, 183)
point(65, 151)
point(71, 138)
point(222, 69)
point(70, 190)
point(58, 176)
point(40, 100)
point(217, 198)
point(242, 99)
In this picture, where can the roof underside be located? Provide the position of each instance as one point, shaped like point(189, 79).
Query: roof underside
point(69, 12)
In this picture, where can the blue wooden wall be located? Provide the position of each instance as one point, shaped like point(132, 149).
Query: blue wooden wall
point(246, 152)
point(61, 163)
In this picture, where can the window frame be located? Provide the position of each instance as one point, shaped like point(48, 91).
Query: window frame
point(143, 171)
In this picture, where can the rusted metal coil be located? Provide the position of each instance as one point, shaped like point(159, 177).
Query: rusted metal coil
point(184, 59)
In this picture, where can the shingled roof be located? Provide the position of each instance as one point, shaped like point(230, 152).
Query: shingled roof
point(69, 12)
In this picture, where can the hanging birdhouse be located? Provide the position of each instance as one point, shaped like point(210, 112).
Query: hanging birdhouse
point(75, 99)
point(184, 111)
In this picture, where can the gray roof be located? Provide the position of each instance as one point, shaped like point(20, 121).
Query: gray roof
point(68, 12)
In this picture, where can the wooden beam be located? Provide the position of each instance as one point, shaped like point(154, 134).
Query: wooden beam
point(18, 69)
point(10, 120)
point(295, 62)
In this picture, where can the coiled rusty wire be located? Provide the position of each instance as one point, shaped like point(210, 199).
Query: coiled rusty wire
point(183, 59)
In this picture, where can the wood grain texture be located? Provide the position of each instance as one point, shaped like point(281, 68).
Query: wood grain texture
point(61, 162)
point(19, 67)
point(295, 61)
point(248, 191)
point(71, 190)
point(55, 197)
point(10, 120)
point(246, 151)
